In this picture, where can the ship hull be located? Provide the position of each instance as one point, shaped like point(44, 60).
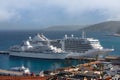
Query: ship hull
point(39, 55)
point(90, 53)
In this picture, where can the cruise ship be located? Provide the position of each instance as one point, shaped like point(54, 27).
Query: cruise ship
point(68, 47)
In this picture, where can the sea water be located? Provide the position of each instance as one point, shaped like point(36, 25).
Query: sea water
point(10, 38)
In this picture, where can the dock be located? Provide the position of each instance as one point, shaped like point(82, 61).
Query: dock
point(113, 59)
point(24, 78)
point(4, 52)
point(12, 73)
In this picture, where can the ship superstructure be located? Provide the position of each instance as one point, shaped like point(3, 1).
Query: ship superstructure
point(80, 45)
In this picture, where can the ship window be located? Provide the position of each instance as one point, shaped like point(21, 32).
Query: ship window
point(83, 42)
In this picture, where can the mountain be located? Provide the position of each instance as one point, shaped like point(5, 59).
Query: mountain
point(109, 26)
point(17, 26)
point(64, 28)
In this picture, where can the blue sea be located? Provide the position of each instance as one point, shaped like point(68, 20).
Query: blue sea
point(10, 38)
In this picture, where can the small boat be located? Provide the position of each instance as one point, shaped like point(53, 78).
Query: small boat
point(21, 69)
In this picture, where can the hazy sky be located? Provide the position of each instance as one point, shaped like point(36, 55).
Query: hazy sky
point(36, 14)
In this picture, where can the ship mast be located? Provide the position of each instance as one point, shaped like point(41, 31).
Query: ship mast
point(83, 34)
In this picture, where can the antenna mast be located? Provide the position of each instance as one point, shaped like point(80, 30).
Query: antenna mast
point(83, 34)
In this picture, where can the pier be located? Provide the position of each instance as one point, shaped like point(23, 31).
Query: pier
point(113, 59)
point(24, 78)
point(12, 73)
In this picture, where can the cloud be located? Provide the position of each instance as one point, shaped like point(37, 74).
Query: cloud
point(8, 15)
point(59, 11)
point(109, 8)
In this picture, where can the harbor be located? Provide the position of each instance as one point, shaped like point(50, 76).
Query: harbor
point(60, 60)
point(59, 39)
point(95, 70)
point(101, 69)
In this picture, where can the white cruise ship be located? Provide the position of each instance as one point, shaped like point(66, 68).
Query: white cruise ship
point(71, 47)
